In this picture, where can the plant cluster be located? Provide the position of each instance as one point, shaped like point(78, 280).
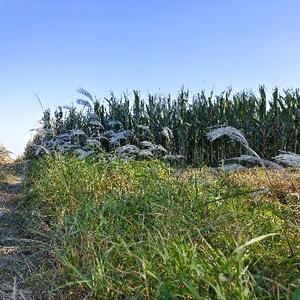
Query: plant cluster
point(91, 130)
point(179, 125)
point(116, 229)
point(4, 154)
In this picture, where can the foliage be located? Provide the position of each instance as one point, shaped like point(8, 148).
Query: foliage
point(116, 229)
point(180, 125)
point(4, 154)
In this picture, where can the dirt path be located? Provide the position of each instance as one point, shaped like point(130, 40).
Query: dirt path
point(13, 258)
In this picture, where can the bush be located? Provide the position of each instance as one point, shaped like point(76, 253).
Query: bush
point(4, 154)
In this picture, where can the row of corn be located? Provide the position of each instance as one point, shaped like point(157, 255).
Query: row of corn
point(270, 123)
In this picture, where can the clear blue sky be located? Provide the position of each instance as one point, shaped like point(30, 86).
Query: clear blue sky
point(52, 47)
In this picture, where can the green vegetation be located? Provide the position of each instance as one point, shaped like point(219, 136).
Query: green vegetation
point(4, 154)
point(126, 229)
point(181, 125)
point(114, 221)
point(4, 159)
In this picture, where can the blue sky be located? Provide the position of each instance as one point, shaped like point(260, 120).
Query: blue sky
point(52, 47)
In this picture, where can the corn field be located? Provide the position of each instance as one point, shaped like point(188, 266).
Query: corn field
point(180, 125)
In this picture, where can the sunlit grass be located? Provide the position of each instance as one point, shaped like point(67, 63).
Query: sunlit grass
point(131, 230)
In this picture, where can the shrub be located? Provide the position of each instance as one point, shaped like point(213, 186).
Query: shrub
point(4, 154)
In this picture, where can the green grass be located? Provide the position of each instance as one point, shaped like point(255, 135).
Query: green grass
point(130, 230)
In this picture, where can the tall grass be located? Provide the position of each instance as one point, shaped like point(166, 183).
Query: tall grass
point(269, 125)
point(120, 229)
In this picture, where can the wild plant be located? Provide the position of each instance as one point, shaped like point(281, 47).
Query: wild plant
point(180, 124)
point(4, 154)
point(115, 228)
point(238, 136)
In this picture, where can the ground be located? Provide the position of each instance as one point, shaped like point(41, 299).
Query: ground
point(13, 248)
